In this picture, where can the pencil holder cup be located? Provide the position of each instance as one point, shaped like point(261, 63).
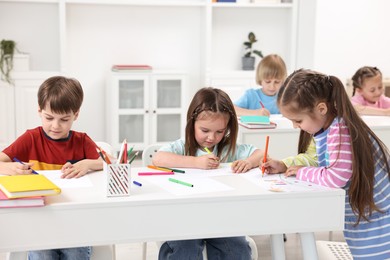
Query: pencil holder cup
point(118, 179)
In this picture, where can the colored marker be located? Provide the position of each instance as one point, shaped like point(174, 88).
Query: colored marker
point(265, 154)
point(159, 168)
point(172, 169)
point(19, 161)
point(261, 104)
point(137, 183)
point(181, 182)
point(132, 158)
point(154, 173)
point(208, 151)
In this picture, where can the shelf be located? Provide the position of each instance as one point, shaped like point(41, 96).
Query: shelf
point(250, 5)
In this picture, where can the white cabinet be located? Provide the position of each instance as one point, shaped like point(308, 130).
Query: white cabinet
point(145, 107)
point(19, 105)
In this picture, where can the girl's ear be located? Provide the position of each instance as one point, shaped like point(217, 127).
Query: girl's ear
point(322, 108)
point(358, 90)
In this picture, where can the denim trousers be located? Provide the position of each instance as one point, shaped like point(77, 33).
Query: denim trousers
point(76, 253)
point(226, 248)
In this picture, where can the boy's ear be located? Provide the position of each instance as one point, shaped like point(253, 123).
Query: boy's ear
point(76, 115)
point(322, 108)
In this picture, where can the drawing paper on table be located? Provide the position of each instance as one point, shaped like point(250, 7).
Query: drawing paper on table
point(55, 176)
point(201, 185)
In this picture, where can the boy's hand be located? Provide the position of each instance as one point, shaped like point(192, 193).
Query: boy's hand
point(208, 161)
point(16, 168)
point(76, 170)
point(292, 170)
point(241, 166)
point(274, 166)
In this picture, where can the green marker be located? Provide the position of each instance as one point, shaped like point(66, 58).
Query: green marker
point(181, 182)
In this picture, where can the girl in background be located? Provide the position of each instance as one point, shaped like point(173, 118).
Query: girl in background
point(350, 156)
point(211, 125)
point(270, 74)
point(368, 92)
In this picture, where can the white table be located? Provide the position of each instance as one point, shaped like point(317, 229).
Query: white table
point(284, 138)
point(85, 216)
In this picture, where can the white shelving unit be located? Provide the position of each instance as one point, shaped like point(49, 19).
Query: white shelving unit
point(83, 38)
point(145, 108)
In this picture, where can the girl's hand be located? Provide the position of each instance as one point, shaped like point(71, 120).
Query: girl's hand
point(292, 170)
point(76, 170)
point(208, 161)
point(241, 166)
point(273, 166)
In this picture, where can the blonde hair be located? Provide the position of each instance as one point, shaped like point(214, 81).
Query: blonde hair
point(271, 66)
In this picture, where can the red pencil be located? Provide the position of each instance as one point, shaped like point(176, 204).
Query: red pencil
point(261, 104)
point(265, 154)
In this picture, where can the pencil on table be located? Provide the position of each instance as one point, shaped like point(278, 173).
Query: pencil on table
point(265, 154)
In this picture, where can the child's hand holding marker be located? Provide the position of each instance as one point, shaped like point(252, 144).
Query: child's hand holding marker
point(212, 160)
point(273, 166)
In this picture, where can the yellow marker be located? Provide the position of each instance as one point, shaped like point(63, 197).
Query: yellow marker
point(207, 150)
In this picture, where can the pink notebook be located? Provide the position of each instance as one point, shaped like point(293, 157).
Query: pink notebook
point(5, 202)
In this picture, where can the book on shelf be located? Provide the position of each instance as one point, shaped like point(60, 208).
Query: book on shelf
point(127, 68)
point(24, 202)
point(17, 186)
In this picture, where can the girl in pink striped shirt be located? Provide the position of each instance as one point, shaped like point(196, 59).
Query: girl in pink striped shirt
point(350, 156)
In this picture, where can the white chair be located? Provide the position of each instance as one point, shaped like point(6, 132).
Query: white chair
point(329, 250)
point(148, 153)
point(147, 157)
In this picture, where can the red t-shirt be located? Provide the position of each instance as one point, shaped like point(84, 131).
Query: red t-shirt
point(47, 154)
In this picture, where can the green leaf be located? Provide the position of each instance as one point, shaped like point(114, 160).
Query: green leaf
point(259, 53)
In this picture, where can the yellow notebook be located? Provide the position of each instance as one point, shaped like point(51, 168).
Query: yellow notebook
point(18, 186)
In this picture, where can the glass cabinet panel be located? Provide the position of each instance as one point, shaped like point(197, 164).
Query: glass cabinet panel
point(131, 94)
point(169, 93)
point(131, 127)
point(168, 128)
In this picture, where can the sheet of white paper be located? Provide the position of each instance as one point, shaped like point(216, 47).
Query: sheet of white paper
point(277, 182)
point(55, 176)
point(224, 169)
point(201, 185)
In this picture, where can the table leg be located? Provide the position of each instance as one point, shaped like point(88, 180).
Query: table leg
point(277, 247)
point(309, 249)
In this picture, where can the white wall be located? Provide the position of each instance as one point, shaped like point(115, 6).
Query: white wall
point(350, 34)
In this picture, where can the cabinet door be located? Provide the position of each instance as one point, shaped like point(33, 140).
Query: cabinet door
point(7, 126)
point(168, 116)
point(26, 105)
point(130, 110)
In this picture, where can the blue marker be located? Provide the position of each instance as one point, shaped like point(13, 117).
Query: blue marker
point(137, 183)
point(19, 161)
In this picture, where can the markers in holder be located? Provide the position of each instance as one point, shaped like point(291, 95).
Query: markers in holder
point(118, 179)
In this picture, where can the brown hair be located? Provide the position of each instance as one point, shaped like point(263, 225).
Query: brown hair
point(302, 91)
point(361, 75)
point(271, 66)
point(61, 94)
point(211, 102)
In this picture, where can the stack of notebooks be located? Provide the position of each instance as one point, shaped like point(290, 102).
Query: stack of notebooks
point(25, 190)
point(256, 122)
point(131, 68)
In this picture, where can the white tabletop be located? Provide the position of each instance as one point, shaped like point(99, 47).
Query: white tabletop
point(86, 216)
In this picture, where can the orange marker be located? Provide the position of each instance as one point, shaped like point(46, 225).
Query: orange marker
point(265, 154)
point(159, 168)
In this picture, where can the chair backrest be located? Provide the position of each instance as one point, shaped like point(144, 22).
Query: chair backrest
point(148, 153)
point(105, 146)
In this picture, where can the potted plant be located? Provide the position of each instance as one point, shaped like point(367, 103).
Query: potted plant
point(248, 61)
point(7, 49)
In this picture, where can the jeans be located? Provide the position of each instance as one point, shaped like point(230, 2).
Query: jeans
point(226, 248)
point(76, 253)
